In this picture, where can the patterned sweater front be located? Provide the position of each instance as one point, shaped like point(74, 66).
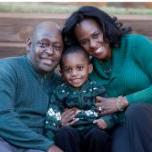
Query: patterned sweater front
point(65, 96)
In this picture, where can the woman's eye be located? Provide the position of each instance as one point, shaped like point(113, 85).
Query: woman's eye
point(84, 42)
point(95, 35)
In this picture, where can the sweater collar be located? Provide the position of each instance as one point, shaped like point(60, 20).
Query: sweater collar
point(118, 59)
point(35, 72)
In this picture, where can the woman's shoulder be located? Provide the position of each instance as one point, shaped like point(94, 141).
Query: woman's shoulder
point(134, 37)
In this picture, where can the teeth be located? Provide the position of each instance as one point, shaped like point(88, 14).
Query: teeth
point(47, 61)
point(99, 50)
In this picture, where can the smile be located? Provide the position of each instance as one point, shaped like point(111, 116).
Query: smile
point(99, 50)
point(47, 61)
point(76, 80)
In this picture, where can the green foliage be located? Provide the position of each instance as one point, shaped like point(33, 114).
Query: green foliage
point(60, 8)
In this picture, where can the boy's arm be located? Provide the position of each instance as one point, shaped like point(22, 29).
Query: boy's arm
point(111, 120)
point(106, 122)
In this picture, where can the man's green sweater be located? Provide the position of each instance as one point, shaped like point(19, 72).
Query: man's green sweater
point(131, 70)
point(24, 99)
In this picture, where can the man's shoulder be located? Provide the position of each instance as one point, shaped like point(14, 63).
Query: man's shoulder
point(11, 63)
point(11, 60)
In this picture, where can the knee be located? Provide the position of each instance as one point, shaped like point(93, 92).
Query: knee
point(98, 135)
point(135, 111)
point(66, 132)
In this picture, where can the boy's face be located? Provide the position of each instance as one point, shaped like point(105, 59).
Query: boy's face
point(75, 69)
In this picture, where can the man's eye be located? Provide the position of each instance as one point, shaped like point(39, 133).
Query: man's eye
point(43, 45)
point(58, 48)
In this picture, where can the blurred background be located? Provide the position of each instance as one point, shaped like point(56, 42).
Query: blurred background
point(18, 19)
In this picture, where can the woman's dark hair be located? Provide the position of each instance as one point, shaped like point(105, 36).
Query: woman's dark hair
point(112, 29)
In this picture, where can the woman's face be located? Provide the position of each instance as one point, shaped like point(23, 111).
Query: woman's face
point(90, 37)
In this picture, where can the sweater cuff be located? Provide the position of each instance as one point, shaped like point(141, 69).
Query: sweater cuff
point(46, 145)
point(109, 121)
point(130, 99)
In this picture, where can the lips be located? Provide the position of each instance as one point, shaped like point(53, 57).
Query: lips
point(47, 61)
point(99, 50)
point(76, 80)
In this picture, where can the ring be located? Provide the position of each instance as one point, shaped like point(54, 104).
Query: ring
point(100, 108)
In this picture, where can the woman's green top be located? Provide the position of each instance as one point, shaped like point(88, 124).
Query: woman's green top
point(130, 70)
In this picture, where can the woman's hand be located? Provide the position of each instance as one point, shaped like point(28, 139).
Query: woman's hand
point(68, 117)
point(100, 123)
point(110, 105)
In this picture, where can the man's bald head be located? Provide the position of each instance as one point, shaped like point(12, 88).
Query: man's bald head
point(44, 27)
point(45, 46)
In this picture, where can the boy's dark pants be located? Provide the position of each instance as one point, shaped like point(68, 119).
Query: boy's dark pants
point(92, 140)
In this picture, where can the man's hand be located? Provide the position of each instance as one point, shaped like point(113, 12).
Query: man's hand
point(54, 148)
point(68, 117)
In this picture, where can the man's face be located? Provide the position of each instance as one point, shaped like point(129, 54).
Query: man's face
point(46, 49)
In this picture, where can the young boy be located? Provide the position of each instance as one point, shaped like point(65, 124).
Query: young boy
point(77, 91)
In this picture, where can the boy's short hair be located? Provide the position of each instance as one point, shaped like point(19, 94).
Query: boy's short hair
point(74, 49)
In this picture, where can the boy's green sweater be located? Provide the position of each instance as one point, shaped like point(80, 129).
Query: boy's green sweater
point(131, 71)
point(24, 99)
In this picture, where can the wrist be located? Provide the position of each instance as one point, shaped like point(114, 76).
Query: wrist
point(121, 103)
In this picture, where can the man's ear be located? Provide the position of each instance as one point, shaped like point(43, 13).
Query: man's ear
point(28, 45)
point(90, 68)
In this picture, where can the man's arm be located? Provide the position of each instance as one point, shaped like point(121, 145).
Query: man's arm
point(12, 129)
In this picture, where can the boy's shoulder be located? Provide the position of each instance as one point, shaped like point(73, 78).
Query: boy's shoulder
point(61, 90)
point(98, 88)
point(95, 83)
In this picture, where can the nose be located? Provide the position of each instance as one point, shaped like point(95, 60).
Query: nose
point(74, 72)
point(49, 51)
point(93, 43)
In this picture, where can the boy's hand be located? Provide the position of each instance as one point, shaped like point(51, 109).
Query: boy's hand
point(54, 148)
point(100, 123)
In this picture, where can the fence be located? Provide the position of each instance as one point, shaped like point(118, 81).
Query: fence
point(16, 28)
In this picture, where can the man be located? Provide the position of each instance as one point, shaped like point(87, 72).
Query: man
point(26, 83)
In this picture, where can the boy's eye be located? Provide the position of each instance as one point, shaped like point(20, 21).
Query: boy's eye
point(68, 70)
point(57, 48)
point(80, 68)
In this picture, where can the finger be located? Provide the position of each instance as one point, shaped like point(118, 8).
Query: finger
point(95, 121)
point(99, 99)
point(68, 113)
point(73, 121)
point(98, 104)
point(105, 112)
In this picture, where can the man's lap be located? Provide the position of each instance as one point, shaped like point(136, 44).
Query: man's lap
point(6, 147)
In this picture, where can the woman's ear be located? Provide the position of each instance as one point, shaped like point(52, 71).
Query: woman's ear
point(28, 45)
point(90, 68)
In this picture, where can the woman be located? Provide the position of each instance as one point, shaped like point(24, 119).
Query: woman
point(123, 62)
